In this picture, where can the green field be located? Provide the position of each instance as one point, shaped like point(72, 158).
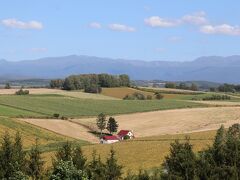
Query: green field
point(39, 106)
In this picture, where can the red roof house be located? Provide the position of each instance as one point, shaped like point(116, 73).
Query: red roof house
point(109, 139)
point(123, 133)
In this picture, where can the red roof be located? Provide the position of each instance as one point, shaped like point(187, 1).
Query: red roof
point(110, 138)
point(123, 133)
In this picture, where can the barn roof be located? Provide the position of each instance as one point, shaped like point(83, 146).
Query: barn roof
point(123, 133)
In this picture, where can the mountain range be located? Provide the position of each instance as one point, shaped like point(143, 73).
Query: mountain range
point(210, 68)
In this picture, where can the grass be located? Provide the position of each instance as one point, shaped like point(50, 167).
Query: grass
point(148, 153)
point(38, 106)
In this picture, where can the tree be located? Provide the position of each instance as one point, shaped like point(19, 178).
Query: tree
point(170, 85)
point(112, 125)
point(101, 122)
point(66, 170)
point(96, 169)
point(7, 86)
point(18, 153)
point(113, 170)
point(78, 159)
point(194, 87)
point(57, 83)
point(7, 158)
point(181, 163)
point(64, 153)
point(158, 95)
point(35, 163)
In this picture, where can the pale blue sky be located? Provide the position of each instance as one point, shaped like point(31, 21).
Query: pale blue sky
point(178, 30)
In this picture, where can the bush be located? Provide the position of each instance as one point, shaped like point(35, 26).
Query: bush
point(149, 97)
point(216, 97)
point(56, 115)
point(22, 92)
point(135, 96)
point(158, 95)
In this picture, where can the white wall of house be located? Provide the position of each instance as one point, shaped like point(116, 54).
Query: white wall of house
point(108, 141)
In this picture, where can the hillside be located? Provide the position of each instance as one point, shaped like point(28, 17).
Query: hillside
point(213, 68)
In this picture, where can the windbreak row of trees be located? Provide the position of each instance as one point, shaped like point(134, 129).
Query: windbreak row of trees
point(183, 86)
point(91, 83)
point(227, 88)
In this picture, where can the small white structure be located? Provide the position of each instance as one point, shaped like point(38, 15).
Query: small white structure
point(109, 139)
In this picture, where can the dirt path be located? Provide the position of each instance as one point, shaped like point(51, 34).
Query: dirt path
point(65, 128)
point(175, 121)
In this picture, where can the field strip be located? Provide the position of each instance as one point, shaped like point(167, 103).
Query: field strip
point(23, 109)
point(65, 128)
point(174, 121)
point(218, 103)
point(73, 94)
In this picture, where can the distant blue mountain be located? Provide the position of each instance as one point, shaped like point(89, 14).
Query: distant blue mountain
point(212, 68)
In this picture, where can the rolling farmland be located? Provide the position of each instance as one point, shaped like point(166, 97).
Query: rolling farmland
point(47, 105)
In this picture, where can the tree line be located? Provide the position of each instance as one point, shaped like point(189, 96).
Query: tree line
point(226, 88)
point(184, 86)
point(91, 83)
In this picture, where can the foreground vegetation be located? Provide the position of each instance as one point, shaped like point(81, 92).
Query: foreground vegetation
point(47, 105)
point(218, 161)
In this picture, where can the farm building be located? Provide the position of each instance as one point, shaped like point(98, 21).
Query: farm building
point(125, 134)
point(109, 139)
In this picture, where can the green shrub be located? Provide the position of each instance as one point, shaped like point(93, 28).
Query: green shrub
point(22, 92)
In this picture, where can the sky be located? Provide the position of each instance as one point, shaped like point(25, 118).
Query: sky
point(150, 30)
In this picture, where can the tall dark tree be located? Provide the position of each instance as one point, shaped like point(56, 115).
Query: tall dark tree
point(18, 153)
point(35, 163)
point(112, 125)
point(96, 169)
point(7, 86)
point(78, 159)
point(113, 169)
point(181, 163)
point(7, 158)
point(64, 153)
point(101, 122)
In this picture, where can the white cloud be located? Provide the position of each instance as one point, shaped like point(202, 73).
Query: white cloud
point(14, 23)
point(156, 21)
point(221, 29)
point(197, 18)
point(121, 27)
point(38, 50)
point(95, 25)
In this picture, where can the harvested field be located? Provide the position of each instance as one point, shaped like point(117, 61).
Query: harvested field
point(147, 153)
point(122, 92)
point(74, 94)
point(175, 121)
point(65, 128)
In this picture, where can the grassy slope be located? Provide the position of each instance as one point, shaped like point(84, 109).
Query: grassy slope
point(72, 107)
point(148, 153)
point(48, 140)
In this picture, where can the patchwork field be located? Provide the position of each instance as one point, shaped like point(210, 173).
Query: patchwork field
point(122, 92)
point(47, 105)
point(45, 91)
